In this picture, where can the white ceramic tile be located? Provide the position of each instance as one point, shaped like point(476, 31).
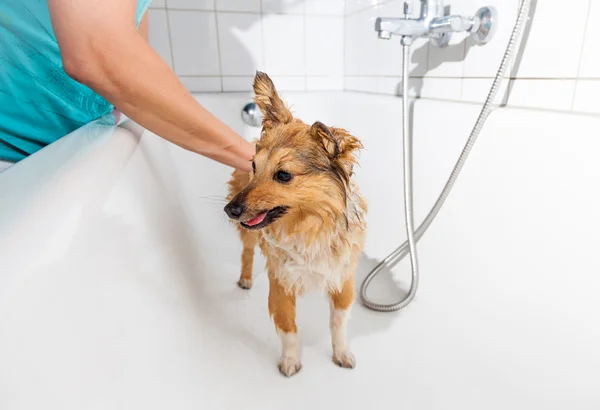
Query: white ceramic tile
point(284, 44)
point(389, 52)
point(325, 83)
point(447, 61)
point(415, 86)
point(590, 57)
point(239, 5)
point(240, 43)
point(324, 7)
point(553, 52)
point(477, 89)
point(361, 44)
point(390, 85)
point(353, 6)
point(157, 4)
point(324, 45)
point(363, 84)
point(586, 96)
point(483, 60)
point(389, 58)
point(440, 88)
point(283, 6)
point(191, 4)
point(194, 42)
point(419, 59)
point(295, 83)
point(201, 84)
point(158, 34)
point(545, 94)
point(237, 83)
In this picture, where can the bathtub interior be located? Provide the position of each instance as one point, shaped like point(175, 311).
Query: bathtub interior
point(135, 304)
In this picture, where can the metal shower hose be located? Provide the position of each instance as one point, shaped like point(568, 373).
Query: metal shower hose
point(410, 245)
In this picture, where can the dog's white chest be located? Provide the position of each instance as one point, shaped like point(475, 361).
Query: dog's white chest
point(307, 269)
point(318, 274)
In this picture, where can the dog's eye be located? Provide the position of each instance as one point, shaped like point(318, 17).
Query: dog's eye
point(283, 176)
point(253, 167)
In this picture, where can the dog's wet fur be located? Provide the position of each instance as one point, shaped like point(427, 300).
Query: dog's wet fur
point(302, 206)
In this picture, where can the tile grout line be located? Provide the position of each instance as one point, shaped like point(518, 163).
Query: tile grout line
point(360, 10)
point(305, 35)
point(517, 57)
point(262, 38)
point(585, 28)
point(170, 39)
point(480, 78)
point(344, 47)
point(287, 90)
point(245, 12)
point(392, 77)
point(464, 63)
point(512, 107)
point(251, 75)
point(218, 48)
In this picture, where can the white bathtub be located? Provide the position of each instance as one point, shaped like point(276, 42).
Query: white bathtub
point(118, 270)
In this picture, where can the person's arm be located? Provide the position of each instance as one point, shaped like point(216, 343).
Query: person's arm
point(101, 48)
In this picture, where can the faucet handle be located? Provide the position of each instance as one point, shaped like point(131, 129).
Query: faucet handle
point(487, 19)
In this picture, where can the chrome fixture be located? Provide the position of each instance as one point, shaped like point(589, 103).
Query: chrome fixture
point(483, 30)
point(432, 23)
point(251, 115)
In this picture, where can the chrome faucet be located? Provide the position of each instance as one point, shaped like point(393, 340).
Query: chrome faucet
point(432, 23)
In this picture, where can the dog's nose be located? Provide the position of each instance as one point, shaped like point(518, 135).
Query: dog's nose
point(234, 210)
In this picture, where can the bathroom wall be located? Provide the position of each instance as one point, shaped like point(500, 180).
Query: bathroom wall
point(559, 69)
point(217, 45)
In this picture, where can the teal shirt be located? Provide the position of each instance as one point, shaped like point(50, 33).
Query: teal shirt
point(39, 102)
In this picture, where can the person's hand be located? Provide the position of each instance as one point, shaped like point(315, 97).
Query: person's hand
point(101, 48)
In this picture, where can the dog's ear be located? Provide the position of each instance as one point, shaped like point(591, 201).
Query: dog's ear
point(340, 145)
point(273, 109)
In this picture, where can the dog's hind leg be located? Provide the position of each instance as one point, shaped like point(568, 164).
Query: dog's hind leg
point(249, 240)
point(340, 304)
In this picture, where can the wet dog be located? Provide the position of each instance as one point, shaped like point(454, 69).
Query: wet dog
point(302, 207)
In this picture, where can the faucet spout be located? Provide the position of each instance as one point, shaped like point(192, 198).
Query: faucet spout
point(384, 35)
point(400, 27)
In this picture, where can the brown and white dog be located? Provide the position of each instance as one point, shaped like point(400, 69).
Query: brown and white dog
point(301, 205)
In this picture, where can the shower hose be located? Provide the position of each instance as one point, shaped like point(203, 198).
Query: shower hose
point(409, 246)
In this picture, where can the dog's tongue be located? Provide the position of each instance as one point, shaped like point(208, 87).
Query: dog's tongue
point(257, 219)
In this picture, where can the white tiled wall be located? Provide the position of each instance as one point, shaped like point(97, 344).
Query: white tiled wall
point(559, 69)
point(217, 45)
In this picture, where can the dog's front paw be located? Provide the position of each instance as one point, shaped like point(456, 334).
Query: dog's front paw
point(344, 358)
point(289, 366)
point(245, 283)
